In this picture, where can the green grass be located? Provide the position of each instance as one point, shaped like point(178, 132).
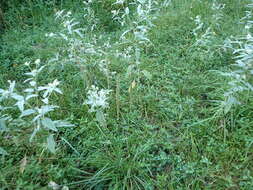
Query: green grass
point(168, 134)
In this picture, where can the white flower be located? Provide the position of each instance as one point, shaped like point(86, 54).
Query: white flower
point(127, 11)
point(249, 37)
point(37, 62)
point(33, 73)
point(45, 100)
point(53, 185)
point(68, 13)
point(27, 64)
point(51, 87)
point(50, 35)
point(120, 2)
point(32, 83)
point(97, 99)
point(9, 92)
point(247, 26)
point(59, 14)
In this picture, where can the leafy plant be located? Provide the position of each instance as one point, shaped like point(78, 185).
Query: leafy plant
point(34, 104)
point(241, 75)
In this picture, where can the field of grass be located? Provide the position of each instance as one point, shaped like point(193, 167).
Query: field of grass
point(149, 97)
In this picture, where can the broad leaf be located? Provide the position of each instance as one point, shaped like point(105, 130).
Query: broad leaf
point(23, 165)
point(30, 96)
point(48, 123)
point(60, 123)
point(51, 144)
point(45, 109)
point(27, 112)
point(101, 118)
point(147, 74)
point(3, 152)
point(231, 101)
point(2, 125)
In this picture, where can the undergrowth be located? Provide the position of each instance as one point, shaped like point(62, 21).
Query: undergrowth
point(126, 94)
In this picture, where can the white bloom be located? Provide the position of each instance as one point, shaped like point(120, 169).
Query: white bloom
point(59, 14)
point(37, 62)
point(249, 37)
point(50, 35)
point(51, 87)
point(127, 11)
point(68, 13)
point(45, 100)
point(247, 26)
point(53, 185)
point(9, 92)
point(32, 83)
point(120, 2)
point(27, 64)
point(33, 73)
point(97, 99)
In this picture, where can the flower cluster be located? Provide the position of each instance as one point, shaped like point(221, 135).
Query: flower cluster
point(97, 99)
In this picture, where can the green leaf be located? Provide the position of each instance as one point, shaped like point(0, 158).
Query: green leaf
point(60, 123)
point(130, 69)
point(147, 74)
point(70, 146)
point(65, 188)
point(101, 118)
point(230, 102)
point(34, 133)
point(51, 143)
point(47, 108)
point(48, 123)
point(3, 125)
point(3, 152)
point(27, 112)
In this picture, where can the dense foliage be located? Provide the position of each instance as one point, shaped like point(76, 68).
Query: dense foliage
point(126, 94)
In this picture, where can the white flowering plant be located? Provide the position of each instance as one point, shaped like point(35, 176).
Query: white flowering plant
point(241, 74)
point(135, 37)
point(205, 33)
point(34, 105)
point(85, 50)
point(97, 100)
point(81, 45)
point(217, 16)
